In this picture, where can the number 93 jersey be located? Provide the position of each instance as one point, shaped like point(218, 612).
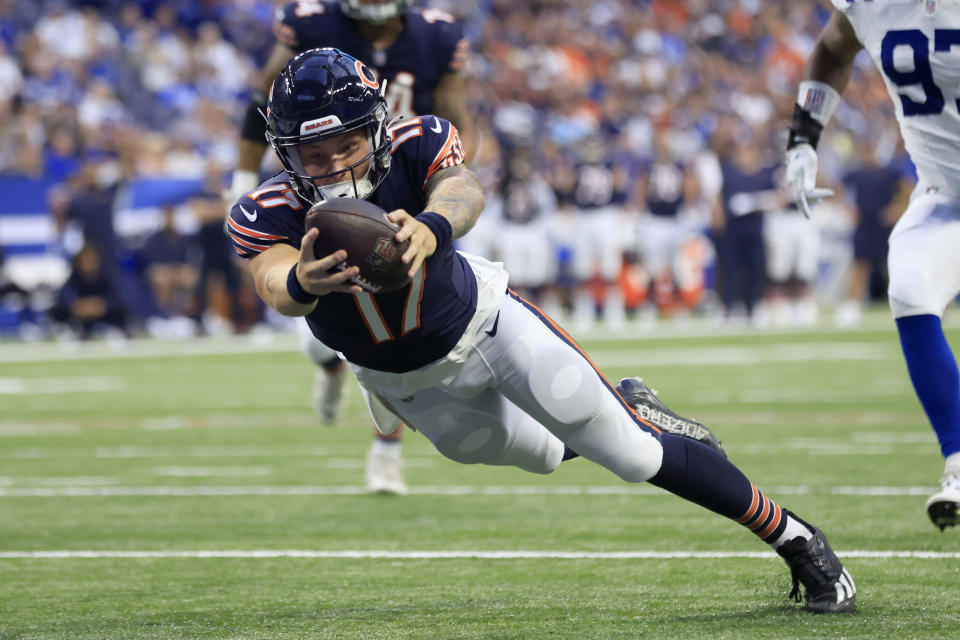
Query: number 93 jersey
point(916, 45)
point(430, 45)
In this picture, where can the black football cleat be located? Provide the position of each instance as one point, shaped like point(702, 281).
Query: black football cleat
point(648, 406)
point(829, 587)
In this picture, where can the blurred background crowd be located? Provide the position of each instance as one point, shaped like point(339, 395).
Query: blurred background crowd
point(631, 154)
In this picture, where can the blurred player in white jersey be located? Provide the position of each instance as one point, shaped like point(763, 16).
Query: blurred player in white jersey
point(916, 45)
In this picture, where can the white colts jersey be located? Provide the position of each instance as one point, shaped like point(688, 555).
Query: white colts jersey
point(916, 46)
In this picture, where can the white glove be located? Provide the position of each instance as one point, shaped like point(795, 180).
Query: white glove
point(801, 178)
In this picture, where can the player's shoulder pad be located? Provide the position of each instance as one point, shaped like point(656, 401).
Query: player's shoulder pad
point(430, 142)
point(264, 217)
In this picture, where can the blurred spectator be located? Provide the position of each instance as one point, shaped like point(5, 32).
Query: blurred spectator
point(749, 190)
point(90, 302)
point(89, 212)
point(172, 276)
point(218, 285)
point(159, 86)
point(879, 194)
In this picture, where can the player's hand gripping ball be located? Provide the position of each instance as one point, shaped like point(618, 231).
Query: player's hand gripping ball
point(361, 229)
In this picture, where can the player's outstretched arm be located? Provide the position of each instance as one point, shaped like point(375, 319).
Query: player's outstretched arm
point(291, 281)
point(826, 75)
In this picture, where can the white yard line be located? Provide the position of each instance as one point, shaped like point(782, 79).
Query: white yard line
point(469, 555)
point(46, 386)
point(350, 490)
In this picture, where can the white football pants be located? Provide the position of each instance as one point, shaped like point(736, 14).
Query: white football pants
point(521, 390)
point(924, 257)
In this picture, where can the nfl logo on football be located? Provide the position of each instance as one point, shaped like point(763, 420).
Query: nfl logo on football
point(385, 249)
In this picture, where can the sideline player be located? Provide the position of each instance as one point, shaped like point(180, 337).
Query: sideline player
point(916, 45)
point(420, 54)
point(481, 372)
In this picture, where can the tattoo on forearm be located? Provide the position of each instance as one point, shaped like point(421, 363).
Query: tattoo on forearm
point(456, 194)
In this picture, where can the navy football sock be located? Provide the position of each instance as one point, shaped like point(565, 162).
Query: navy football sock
point(569, 454)
point(701, 474)
point(933, 371)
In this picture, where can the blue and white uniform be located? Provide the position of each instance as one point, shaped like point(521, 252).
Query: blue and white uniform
point(916, 46)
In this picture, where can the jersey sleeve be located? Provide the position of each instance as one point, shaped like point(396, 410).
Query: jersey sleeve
point(255, 225)
point(431, 142)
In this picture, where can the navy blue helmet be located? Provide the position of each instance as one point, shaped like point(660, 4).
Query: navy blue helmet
point(322, 94)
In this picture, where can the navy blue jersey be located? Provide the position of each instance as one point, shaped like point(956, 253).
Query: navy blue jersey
point(746, 193)
point(430, 45)
point(872, 190)
point(396, 331)
point(665, 189)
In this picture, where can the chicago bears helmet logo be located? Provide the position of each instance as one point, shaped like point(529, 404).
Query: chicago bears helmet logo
point(368, 77)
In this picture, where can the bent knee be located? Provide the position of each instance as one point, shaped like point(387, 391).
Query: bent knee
point(614, 441)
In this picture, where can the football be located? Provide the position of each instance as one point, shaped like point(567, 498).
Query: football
point(362, 229)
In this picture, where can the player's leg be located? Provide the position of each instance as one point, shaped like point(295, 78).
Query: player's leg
point(329, 383)
point(384, 467)
point(484, 428)
point(542, 371)
point(924, 267)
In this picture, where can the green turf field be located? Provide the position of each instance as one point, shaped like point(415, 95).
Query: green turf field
point(211, 504)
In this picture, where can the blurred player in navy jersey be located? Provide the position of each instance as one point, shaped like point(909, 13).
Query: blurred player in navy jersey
point(667, 188)
point(916, 45)
point(481, 372)
point(599, 191)
point(527, 207)
point(419, 54)
point(749, 190)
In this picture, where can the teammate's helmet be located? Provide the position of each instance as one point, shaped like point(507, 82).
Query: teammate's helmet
point(321, 94)
point(373, 11)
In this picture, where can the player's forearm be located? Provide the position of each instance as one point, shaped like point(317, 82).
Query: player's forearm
point(273, 289)
point(458, 197)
